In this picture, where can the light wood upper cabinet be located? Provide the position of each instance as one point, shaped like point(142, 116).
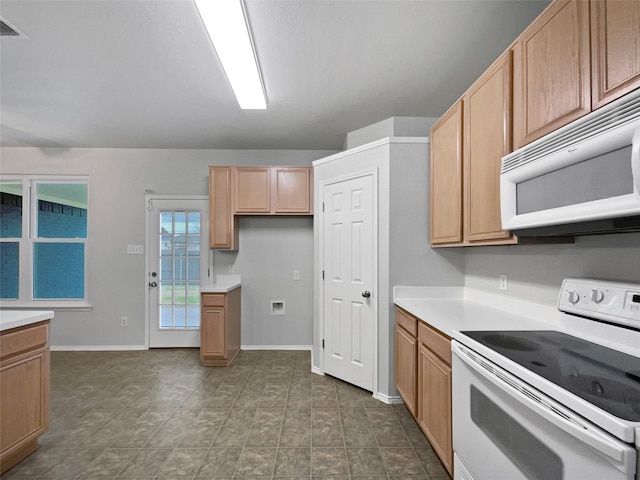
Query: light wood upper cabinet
point(223, 227)
point(237, 191)
point(273, 190)
point(615, 49)
point(552, 79)
point(253, 189)
point(445, 211)
point(487, 138)
point(292, 190)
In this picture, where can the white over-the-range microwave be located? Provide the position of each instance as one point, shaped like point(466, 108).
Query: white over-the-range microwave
point(581, 179)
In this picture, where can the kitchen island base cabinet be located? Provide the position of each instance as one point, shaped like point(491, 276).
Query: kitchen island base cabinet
point(220, 328)
point(24, 391)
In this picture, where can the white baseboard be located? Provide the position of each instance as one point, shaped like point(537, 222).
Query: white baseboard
point(97, 348)
point(391, 400)
point(276, 347)
point(317, 371)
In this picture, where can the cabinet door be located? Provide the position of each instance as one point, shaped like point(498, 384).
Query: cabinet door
point(487, 138)
point(212, 333)
point(292, 190)
point(24, 396)
point(253, 190)
point(406, 364)
point(445, 219)
point(552, 71)
point(434, 404)
point(223, 227)
point(615, 46)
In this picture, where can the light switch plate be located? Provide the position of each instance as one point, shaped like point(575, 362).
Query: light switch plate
point(135, 249)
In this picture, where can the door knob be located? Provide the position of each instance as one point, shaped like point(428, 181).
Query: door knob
point(366, 294)
point(153, 284)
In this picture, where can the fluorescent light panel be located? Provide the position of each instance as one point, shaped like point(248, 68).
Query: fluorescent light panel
point(228, 29)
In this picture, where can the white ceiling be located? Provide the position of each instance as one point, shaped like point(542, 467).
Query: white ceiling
point(143, 74)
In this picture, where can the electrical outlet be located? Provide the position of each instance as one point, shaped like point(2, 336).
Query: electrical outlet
point(124, 321)
point(504, 282)
point(296, 274)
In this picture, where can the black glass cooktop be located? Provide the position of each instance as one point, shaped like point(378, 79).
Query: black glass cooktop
point(604, 377)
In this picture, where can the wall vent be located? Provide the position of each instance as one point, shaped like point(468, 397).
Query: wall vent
point(8, 30)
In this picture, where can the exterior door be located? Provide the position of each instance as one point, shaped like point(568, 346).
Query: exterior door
point(178, 260)
point(348, 253)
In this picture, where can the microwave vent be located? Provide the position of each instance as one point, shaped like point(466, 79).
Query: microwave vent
point(618, 113)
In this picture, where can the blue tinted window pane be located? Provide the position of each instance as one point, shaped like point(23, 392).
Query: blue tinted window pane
point(193, 222)
point(166, 222)
point(166, 317)
point(11, 210)
point(193, 245)
point(180, 245)
point(9, 269)
point(58, 270)
point(62, 210)
point(180, 220)
point(179, 317)
point(194, 317)
point(180, 268)
point(166, 245)
point(193, 269)
point(166, 269)
point(166, 290)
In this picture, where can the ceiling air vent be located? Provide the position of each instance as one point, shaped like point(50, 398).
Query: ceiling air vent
point(8, 30)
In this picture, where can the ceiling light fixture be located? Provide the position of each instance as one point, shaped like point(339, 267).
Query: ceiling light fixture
point(228, 28)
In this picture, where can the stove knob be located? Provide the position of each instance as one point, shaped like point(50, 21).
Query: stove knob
point(596, 295)
point(573, 297)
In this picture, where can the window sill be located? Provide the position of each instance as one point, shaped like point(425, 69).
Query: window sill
point(59, 306)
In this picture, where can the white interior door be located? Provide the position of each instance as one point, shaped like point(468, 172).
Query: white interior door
point(348, 298)
point(178, 261)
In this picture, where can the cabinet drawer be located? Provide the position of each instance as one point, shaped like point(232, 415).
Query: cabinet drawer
point(406, 321)
point(24, 339)
point(435, 341)
point(213, 299)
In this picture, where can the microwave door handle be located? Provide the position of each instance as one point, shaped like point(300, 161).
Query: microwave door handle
point(619, 455)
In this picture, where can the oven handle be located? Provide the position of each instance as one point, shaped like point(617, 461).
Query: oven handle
point(618, 454)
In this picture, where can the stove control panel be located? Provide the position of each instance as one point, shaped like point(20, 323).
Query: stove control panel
point(614, 302)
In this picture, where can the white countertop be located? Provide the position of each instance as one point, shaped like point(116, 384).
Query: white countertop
point(19, 318)
point(454, 309)
point(223, 284)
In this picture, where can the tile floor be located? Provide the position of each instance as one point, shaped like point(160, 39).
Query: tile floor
point(160, 414)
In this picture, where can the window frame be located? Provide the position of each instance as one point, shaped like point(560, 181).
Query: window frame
point(26, 244)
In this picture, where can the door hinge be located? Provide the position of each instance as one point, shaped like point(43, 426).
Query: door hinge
point(323, 206)
point(323, 274)
point(323, 343)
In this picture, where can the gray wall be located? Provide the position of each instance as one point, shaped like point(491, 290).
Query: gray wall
point(536, 272)
point(117, 281)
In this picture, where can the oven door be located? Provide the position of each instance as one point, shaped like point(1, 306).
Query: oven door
point(504, 429)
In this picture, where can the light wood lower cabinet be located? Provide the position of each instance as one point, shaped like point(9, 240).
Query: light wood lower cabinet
point(423, 379)
point(24, 391)
point(406, 359)
point(220, 328)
